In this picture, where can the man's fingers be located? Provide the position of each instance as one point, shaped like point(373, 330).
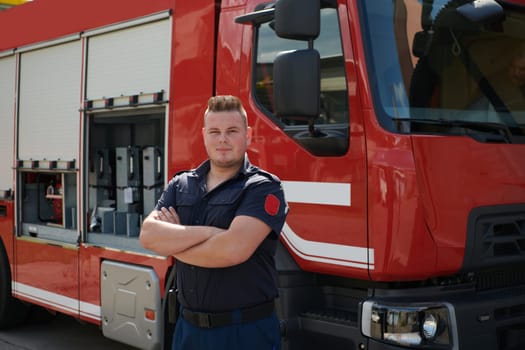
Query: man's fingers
point(173, 212)
point(168, 215)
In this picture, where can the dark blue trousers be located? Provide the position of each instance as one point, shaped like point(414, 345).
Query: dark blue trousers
point(258, 335)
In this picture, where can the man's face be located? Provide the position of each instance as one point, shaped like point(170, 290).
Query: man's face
point(517, 71)
point(226, 138)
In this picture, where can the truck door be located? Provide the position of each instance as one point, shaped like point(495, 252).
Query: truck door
point(7, 116)
point(321, 160)
point(47, 173)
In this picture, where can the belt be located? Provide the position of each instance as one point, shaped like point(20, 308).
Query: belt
point(220, 319)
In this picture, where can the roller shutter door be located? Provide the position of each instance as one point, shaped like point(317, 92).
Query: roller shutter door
point(129, 61)
point(49, 118)
point(7, 110)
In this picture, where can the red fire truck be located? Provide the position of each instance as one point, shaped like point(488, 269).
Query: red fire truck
point(397, 127)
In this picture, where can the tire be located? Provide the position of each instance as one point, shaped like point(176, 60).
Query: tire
point(12, 311)
point(168, 327)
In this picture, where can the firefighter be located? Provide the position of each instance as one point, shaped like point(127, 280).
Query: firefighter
point(221, 221)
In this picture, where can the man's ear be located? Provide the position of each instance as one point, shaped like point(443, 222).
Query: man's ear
point(249, 134)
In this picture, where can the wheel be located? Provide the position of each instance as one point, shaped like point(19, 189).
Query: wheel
point(12, 311)
point(169, 320)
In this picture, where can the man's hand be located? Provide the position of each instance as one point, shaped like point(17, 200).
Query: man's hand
point(167, 215)
point(162, 233)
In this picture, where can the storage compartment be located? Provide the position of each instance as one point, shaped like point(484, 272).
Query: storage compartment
point(49, 204)
point(125, 173)
point(130, 294)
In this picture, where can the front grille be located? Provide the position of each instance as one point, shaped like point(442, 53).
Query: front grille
point(505, 239)
point(495, 237)
point(511, 338)
point(510, 319)
point(487, 280)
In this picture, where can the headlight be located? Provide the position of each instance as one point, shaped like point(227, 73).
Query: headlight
point(415, 325)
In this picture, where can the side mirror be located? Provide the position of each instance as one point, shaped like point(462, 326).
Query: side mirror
point(297, 83)
point(297, 19)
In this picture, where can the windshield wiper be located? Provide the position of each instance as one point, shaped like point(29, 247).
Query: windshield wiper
point(480, 131)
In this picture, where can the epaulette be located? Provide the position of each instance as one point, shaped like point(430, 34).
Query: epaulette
point(266, 174)
point(191, 171)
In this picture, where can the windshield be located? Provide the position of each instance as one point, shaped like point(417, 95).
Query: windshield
point(450, 63)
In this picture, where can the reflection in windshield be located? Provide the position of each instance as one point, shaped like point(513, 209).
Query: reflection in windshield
point(328, 43)
point(426, 60)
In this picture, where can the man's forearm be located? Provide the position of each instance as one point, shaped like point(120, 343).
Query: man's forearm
point(228, 248)
point(167, 238)
point(213, 252)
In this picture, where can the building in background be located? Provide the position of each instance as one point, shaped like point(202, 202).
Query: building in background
point(5, 4)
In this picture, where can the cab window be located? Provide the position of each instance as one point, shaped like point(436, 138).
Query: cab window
point(326, 135)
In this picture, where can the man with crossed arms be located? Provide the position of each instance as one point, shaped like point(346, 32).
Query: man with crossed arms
point(221, 221)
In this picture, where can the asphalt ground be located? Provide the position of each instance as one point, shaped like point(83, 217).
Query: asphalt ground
point(46, 331)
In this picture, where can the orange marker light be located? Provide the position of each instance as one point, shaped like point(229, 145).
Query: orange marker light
point(149, 314)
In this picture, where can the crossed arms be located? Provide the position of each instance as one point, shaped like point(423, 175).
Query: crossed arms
point(204, 246)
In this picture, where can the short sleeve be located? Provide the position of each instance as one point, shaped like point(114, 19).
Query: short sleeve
point(168, 197)
point(266, 202)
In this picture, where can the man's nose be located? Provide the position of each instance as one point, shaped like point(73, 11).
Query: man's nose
point(222, 136)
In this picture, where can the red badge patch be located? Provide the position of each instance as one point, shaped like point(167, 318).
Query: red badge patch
point(271, 205)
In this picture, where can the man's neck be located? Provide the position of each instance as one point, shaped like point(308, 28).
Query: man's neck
point(218, 175)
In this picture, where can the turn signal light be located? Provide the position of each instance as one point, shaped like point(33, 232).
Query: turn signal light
point(149, 314)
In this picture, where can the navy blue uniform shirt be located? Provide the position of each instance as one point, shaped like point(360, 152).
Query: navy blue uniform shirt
point(252, 192)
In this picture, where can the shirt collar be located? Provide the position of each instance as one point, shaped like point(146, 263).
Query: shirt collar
point(204, 168)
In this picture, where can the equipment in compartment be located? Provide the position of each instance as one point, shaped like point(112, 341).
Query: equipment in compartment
point(102, 188)
point(101, 175)
point(125, 184)
point(129, 182)
point(129, 177)
point(153, 177)
point(127, 223)
point(125, 171)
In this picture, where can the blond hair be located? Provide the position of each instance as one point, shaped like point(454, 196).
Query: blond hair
point(226, 103)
